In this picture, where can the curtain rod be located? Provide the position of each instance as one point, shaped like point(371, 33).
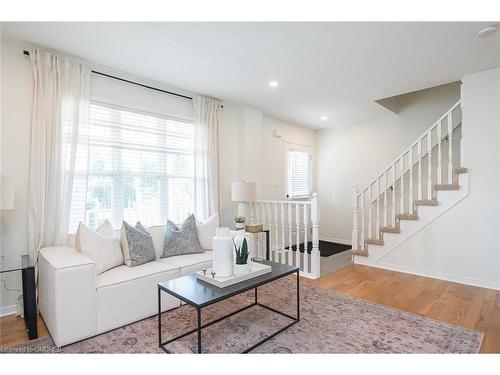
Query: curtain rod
point(133, 83)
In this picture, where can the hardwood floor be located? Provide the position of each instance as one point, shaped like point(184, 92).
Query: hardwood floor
point(13, 330)
point(463, 305)
point(467, 306)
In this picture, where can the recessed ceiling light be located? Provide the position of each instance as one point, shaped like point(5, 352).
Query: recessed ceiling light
point(324, 118)
point(273, 84)
point(487, 31)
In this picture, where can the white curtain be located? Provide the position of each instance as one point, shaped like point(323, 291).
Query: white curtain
point(59, 120)
point(206, 189)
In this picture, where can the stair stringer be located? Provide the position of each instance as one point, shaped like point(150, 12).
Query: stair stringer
point(409, 228)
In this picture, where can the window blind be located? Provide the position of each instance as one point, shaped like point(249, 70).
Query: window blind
point(298, 173)
point(139, 167)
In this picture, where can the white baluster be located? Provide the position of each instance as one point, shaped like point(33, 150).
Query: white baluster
point(377, 210)
point(370, 200)
point(315, 256)
point(386, 212)
point(282, 252)
point(290, 244)
point(429, 164)
point(461, 144)
point(305, 266)
point(450, 148)
point(440, 157)
point(410, 185)
point(297, 230)
point(276, 228)
point(393, 203)
point(419, 178)
point(362, 236)
point(402, 184)
point(354, 237)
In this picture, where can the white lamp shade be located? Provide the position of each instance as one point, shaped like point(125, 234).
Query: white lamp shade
point(7, 192)
point(243, 191)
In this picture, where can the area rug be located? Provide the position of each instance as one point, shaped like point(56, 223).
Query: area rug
point(330, 323)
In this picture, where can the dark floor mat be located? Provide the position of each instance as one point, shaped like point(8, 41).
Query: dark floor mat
point(326, 249)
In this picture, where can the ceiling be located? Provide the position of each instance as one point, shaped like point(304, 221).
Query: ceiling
point(332, 69)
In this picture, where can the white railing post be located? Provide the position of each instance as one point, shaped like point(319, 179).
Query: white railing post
point(402, 184)
point(429, 164)
point(370, 199)
point(410, 183)
point(386, 212)
point(305, 266)
point(462, 160)
point(354, 238)
point(282, 252)
point(377, 211)
point(393, 203)
point(439, 172)
point(419, 178)
point(290, 244)
point(315, 256)
point(276, 228)
point(362, 236)
point(450, 147)
point(297, 226)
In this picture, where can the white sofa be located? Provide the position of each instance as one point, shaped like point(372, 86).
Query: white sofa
point(76, 304)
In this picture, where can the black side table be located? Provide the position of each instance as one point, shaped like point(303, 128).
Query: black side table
point(27, 269)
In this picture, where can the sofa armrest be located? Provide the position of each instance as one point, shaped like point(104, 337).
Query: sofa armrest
point(66, 289)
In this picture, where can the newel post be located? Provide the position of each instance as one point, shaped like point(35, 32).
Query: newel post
point(354, 239)
point(315, 257)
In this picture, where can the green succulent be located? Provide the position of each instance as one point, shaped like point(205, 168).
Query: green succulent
point(242, 252)
point(239, 219)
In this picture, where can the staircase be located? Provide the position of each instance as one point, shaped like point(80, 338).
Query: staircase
point(424, 182)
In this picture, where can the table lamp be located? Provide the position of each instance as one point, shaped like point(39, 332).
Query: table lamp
point(243, 192)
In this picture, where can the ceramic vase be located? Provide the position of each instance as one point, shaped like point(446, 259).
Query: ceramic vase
point(241, 269)
point(222, 245)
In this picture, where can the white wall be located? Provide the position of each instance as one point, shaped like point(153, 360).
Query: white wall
point(249, 151)
point(357, 153)
point(463, 245)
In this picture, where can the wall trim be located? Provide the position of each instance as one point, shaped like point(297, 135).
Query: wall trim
point(8, 310)
point(336, 240)
point(432, 274)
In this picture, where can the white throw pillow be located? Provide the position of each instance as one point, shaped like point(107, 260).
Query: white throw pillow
point(102, 246)
point(206, 230)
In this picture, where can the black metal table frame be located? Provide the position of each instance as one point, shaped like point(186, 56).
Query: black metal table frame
point(255, 303)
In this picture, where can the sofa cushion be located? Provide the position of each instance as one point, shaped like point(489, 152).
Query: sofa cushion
point(190, 263)
point(124, 273)
point(181, 240)
point(137, 245)
point(158, 234)
point(206, 231)
point(102, 246)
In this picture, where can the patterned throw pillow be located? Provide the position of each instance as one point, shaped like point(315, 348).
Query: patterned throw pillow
point(183, 240)
point(137, 245)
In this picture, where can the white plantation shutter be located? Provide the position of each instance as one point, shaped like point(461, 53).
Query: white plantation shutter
point(139, 166)
point(298, 160)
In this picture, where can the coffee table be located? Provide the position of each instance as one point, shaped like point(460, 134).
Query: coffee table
point(200, 294)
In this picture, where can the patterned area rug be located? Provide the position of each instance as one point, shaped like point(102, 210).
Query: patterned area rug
point(330, 323)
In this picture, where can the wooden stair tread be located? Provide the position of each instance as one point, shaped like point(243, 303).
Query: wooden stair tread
point(446, 187)
point(461, 170)
point(359, 252)
point(426, 202)
point(390, 230)
point(407, 216)
point(374, 241)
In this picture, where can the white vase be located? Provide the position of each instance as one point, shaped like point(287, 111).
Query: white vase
point(239, 226)
point(222, 245)
point(241, 269)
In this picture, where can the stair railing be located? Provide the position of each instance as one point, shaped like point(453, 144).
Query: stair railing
point(393, 191)
point(290, 224)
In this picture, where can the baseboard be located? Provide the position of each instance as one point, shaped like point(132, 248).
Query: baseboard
point(336, 240)
point(432, 274)
point(8, 310)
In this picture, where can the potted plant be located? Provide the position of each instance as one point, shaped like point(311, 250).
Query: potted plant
point(239, 222)
point(241, 266)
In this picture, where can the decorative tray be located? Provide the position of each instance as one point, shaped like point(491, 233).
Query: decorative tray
point(256, 269)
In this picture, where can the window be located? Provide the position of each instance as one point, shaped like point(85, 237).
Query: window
point(298, 171)
point(139, 167)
